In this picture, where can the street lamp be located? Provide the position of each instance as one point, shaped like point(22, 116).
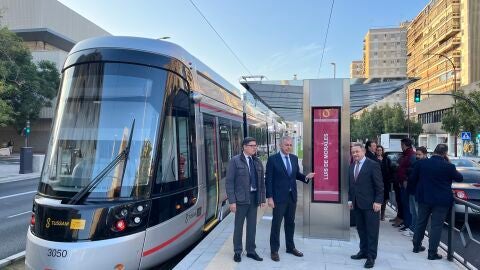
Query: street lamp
point(334, 69)
point(454, 88)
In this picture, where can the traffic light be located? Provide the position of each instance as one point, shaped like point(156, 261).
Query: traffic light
point(416, 98)
point(27, 129)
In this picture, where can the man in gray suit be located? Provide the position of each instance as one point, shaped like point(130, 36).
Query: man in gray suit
point(365, 196)
point(245, 186)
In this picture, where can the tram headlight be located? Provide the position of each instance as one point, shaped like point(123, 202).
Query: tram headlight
point(124, 212)
point(140, 208)
point(137, 220)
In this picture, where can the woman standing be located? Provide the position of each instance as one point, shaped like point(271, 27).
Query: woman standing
point(385, 165)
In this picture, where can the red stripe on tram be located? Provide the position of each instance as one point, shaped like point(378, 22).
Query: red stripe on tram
point(171, 240)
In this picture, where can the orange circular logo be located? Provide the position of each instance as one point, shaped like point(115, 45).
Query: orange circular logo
point(326, 113)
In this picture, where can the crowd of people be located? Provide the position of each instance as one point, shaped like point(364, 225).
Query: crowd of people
point(421, 185)
point(421, 189)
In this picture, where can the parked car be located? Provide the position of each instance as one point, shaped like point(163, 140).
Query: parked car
point(469, 189)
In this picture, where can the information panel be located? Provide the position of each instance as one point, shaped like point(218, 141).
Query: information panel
point(326, 155)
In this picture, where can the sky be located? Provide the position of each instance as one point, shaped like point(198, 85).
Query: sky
point(276, 39)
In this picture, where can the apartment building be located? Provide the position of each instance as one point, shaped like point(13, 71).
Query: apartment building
point(356, 69)
point(443, 45)
point(385, 52)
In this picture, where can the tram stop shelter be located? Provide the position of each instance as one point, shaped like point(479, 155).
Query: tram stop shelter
point(324, 107)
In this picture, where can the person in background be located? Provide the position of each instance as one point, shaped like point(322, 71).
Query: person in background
point(371, 150)
point(433, 178)
point(405, 164)
point(385, 165)
point(245, 187)
point(421, 154)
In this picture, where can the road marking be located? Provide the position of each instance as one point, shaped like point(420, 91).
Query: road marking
point(19, 214)
point(18, 194)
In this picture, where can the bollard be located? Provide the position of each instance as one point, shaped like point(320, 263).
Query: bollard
point(26, 160)
point(451, 224)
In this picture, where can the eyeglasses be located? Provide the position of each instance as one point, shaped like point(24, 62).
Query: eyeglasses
point(288, 144)
point(251, 145)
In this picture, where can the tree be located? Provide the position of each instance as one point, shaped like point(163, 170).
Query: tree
point(25, 87)
point(465, 117)
point(380, 120)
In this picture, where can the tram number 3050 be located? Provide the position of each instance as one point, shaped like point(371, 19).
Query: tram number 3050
point(59, 253)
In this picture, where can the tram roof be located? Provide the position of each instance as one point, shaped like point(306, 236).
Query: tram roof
point(155, 46)
point(285, 97)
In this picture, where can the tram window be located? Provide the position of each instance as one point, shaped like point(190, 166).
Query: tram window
point(174, 168)
point(237, 137)
point(225, 144)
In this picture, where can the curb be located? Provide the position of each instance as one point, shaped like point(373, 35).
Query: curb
point(12, 259)
point(15, 178)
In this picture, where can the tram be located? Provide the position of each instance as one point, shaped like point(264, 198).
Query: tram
point(136, 163)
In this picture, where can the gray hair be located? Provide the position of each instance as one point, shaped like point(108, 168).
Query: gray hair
point(358, 145)
point(285, 138)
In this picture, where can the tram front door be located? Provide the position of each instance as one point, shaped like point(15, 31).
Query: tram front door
point(211, 160)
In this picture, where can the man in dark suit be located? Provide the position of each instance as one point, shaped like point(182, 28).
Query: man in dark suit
point(433, 179)
point(365, 196)
point(371, 150)
point(245, 187)
point(280, 180)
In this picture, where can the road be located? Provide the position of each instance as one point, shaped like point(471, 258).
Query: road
point(16, 204)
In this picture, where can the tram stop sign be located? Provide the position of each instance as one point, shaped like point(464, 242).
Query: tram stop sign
point(466, 136)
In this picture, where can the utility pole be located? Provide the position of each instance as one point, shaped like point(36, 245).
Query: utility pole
point(334, 69)
point(454, 91)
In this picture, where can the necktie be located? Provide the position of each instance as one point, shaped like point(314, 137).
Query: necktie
point(253, 174)
point(357, 170)
point(289, 168)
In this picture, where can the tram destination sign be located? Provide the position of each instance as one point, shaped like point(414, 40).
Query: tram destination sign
point(326, 155)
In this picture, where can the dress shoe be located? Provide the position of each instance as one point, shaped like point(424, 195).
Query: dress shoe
point(403, 228)
point(358, 256)
point(295, 252)
point(418, 249)
point(237, 257)
point(434, 256)
point(369, 263)
point(393, 219)
point(275, 257)
point(254, 256)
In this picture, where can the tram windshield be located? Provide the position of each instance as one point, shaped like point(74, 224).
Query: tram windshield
point(96, 107)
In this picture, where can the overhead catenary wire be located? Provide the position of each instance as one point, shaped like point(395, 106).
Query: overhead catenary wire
point(221, 38)
point(325, 40)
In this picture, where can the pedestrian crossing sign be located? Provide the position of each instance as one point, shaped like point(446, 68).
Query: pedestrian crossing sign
point(466, 136)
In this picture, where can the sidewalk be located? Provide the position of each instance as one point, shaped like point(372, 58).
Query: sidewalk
point(394, 251)
point(10, 167)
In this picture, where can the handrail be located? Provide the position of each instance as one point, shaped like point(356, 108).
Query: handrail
point(465, 227)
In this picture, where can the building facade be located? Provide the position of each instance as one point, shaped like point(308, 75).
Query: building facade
point(49, 29)
point(443, 48)
point(356, 69)
point(443, 44)
point(385, 52)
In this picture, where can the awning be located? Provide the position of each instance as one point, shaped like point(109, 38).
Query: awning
point(286, 97)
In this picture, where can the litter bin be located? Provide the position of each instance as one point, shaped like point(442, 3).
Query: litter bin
point(26, 160)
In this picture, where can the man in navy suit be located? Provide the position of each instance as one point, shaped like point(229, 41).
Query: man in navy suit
point(280, 181)
point(433, 178)
point(365, 197)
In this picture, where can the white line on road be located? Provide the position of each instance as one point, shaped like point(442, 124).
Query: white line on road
point(19, 214)
point(18, 194)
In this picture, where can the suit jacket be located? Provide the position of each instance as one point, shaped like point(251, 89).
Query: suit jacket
point(371, 156)
point(368, 188)
point(278, 182)
point(237, 184)
point(433, 178)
